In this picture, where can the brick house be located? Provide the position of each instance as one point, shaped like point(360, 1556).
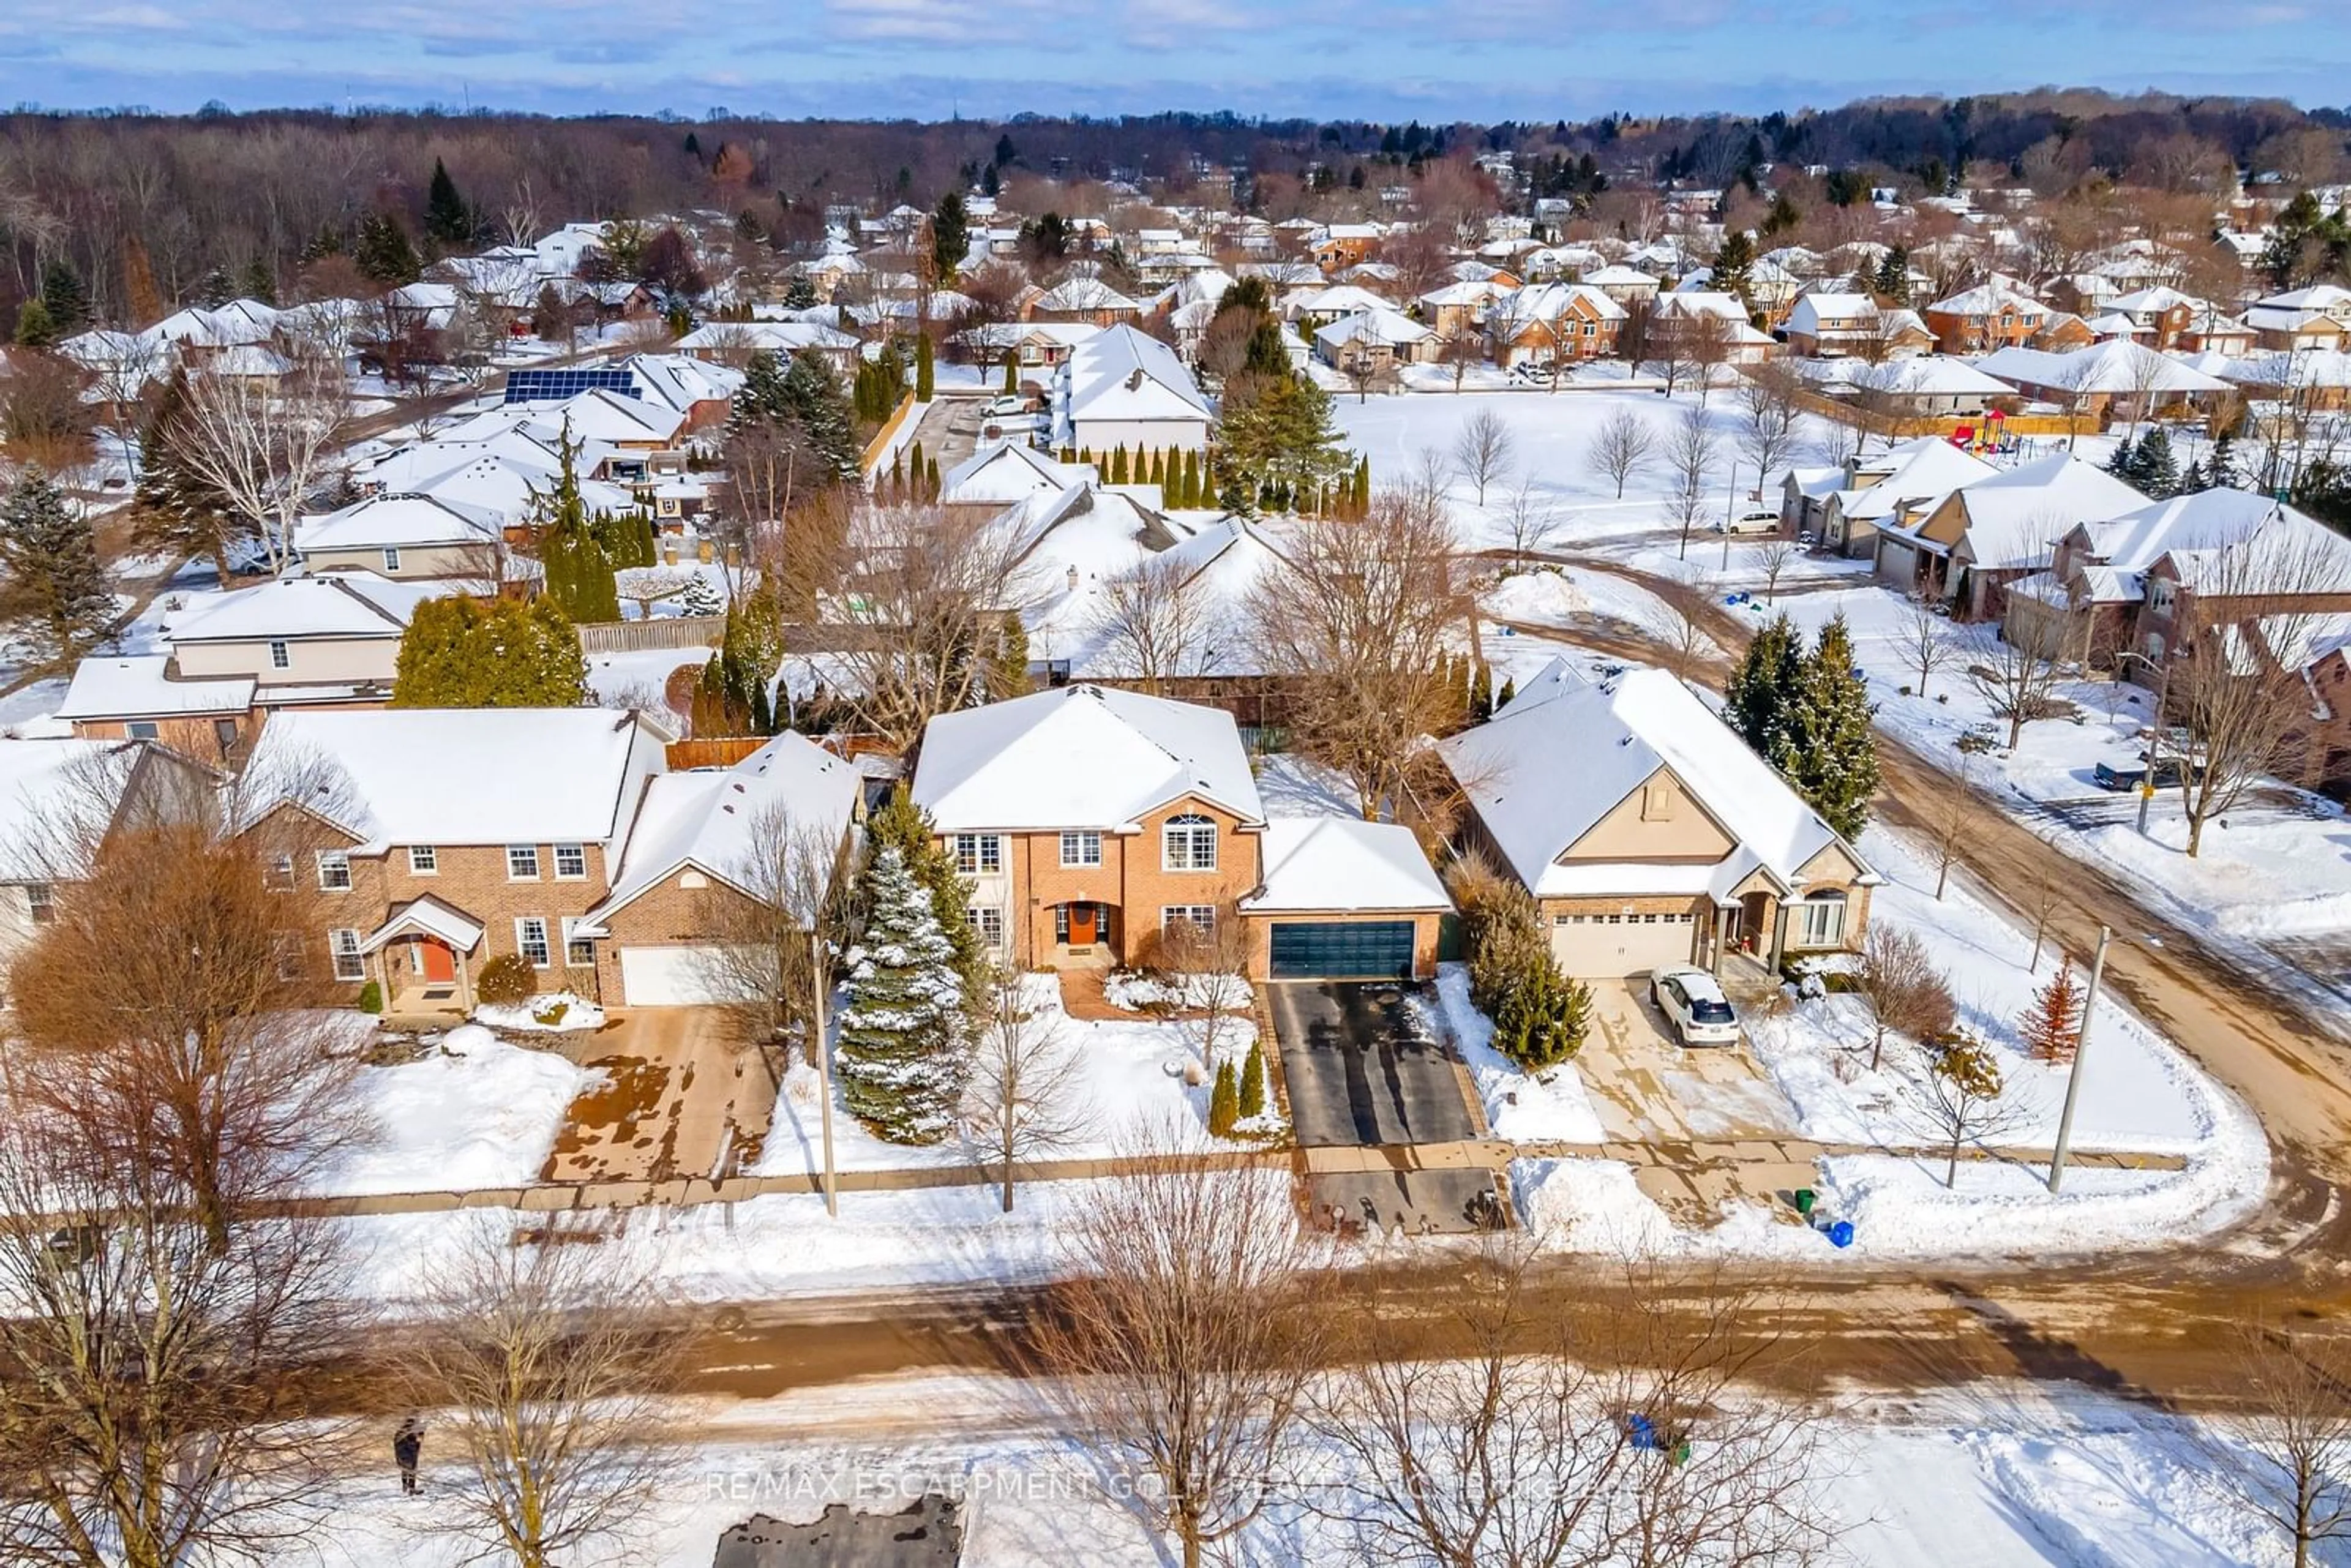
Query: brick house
point(1647, 832)
point(1091, 821)
point(1998, 314)
point(1553, 321)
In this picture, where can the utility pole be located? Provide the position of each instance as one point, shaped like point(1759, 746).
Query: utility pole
point(1730, 511)
point(823, 1067)
point(2074, 1077)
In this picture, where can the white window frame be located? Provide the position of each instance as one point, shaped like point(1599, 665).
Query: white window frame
point(979, 854)
point(1081, 848)
point(332, 862)
point(517, 855)
point(1186, 829)
point(391, 557)
point(989, 921)
point(277, 875)
point(577, 852)
point(424, 860)
point(40, 903)
point(281, 654)
point(1201, 916)
point(342, 944)
point(140, 729)
point(523, 944)
point(1814, 917)
point(573, 957)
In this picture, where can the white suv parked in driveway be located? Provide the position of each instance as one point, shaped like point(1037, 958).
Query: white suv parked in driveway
point(1694, 1006)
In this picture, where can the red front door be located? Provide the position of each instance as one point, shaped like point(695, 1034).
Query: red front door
point(440, 964)
point(1085, 924)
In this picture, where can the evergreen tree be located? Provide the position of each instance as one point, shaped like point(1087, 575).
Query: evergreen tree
point(214, 289)
point(950, 234)
point(925, 373)
point(931, 478)
point(1503, 698)
point(258, 282)
point(383, 253)
point(1734, 267)
point(2221, 468)
point(900, 1053)
point(1829, 750)
point(174, 507)
point(1278, 438)
point(579, 572)
point(35, 329)
point(2158, 472)
point(799, 293)
point(1481, 693)
point(1252, 1096)
point(2124, 463)
point(1007, 660)
point(904, 825)
point(68, 301)
point(1224, 1101)
point(1757, 701)
point(701, 597)
point(2192, 480)
point(1541, 1020)
point(447, 218)
point(54, 590)
point(503, 653)
point(1892, 278)
point(806, 396)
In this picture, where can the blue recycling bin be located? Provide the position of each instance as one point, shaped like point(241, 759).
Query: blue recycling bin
point(1840, 1233)
point(1642, 1431)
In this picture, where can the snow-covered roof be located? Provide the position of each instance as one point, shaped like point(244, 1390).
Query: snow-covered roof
point(2118, 367)
point(1931, 376)
point(56, 796)
point(1915, 472)
point(397, 522)
point(1340, 300)
point(141, 686)
point(1564, 753)
point(1004, 474)
point(784, 337)
point(1990, 298)
point(1082, 293)
point(459, 776)
point(332, 604)
point(724, 821)
point(1079, 757)
point(1343, 864)
point(1386, 325)
point(2015, 517)
point(1122, 375)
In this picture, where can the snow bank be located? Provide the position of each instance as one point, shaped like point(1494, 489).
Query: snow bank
point(445, 1122)
point(557, 1012)
point(1520, 1107)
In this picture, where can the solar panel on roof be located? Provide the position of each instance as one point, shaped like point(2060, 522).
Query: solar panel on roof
point(556, 386)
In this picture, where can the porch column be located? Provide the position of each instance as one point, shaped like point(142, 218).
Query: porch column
point(1778, 933)
point(1720, 937)
point(464, 985)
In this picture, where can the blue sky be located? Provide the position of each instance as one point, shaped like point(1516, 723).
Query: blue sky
point(1484, 60)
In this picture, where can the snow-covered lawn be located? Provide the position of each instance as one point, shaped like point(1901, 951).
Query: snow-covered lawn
point(1999, 1475)
point(1128, 1087)
point(458, 1122)
point(643, 673)
point(1520, 1107)
point(556, 1012)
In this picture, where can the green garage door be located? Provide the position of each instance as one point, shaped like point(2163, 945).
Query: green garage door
point(1371, 949)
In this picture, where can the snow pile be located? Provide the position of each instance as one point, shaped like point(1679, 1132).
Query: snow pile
point(1136, 992)
point(453, 1123)
point(1520, 1107)
point(556, 1012)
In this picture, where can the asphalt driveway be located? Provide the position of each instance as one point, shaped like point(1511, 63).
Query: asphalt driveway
point(1360, 1071)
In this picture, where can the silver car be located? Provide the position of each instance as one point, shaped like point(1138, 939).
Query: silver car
point(1694, 1006)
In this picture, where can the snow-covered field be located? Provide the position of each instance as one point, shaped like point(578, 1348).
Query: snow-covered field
point(457, 1123)
point(1992, 1475)
point(1128, 1087)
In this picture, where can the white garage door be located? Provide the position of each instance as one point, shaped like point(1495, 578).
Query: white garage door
point(673, 976)
point(1596, 946)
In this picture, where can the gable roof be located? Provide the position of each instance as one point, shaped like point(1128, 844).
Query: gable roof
point(1121, 374)
point(57, 799)
point(332, 604)
point(458, 776)
point(2116, 367)
point(1343, 862)
point(414, 521)
point(1564, 753)
point(1079, 757)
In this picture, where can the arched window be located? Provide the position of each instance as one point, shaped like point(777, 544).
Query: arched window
point(1821, 919)
point(1188, 843)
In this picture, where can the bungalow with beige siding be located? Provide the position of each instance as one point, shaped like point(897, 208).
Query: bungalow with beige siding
point(1648, 833)
point(404, 537)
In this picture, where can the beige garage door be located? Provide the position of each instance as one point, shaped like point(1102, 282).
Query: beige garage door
point(1597, 947)
point(673, 976)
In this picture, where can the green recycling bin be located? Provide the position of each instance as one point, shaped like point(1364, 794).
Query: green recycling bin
point(1805, 1199)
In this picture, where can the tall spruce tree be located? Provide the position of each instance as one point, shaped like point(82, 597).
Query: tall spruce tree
point(448, 219)
point(950, 234)
point(68, 300)
point(175, 509)
point(35, 327)
point(2220, 466)
point(54, 590)
point(2158, 472)
point(1763, 687)
point(578, 571)
point(903, 823)
point(900, 1053)
point(1734, 267)
point(460, 652)
point(805, 395)
point(1829, 750)
point(383, 253)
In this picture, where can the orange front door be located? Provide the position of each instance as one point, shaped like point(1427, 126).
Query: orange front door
point(1085, 924)
point(440, 964)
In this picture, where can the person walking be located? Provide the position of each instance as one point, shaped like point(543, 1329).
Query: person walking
point(407, 1443)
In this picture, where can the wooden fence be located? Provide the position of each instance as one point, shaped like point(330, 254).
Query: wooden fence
point(712, 751)
point(878, 449)
point(662, 632)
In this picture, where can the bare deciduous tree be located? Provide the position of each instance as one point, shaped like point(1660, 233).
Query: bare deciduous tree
point(783, 887)
point(1183, 1342)
point(1483, 450)
point(1965, 1097)
point(1615, 1428)
point(1774, 556)
point(1770, 415)
point(1899, 983)
point(1024, 1088)
point(1689, 455)
point(1530, 526)
point(2016, 681)
point(2290, 1460)
point(1622, 446)
point(269, 449)
point(1208, 966)
point(928, 595)
point(1359, 613)
point(1926, 640)
point(541, 1351)
point(1158, 621)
